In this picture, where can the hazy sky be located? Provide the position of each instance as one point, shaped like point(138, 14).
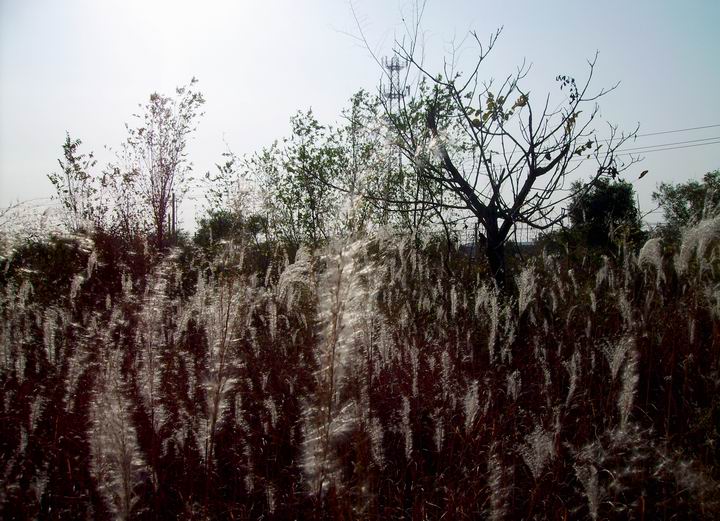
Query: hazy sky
point(84, 66)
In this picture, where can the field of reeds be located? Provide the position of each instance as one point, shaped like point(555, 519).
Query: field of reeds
point(381, 378)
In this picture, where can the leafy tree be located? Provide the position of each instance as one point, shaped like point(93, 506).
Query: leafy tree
point(227, 189)
point(128, 219)
point(218, 225)
point(403, 198)
point(233, 209)
point(685, 204)
point(301, 207)
point(76, 188)
point(606, 215)
point(361, 138)
point(379, 186)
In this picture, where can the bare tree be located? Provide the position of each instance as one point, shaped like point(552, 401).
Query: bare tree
point(484, 152)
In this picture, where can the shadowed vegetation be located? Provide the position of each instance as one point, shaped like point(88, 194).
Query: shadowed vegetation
point(378, 379)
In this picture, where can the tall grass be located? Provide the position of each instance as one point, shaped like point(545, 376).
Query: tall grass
point(375, 379)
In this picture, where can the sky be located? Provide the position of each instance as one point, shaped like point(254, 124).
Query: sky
point(83, 66)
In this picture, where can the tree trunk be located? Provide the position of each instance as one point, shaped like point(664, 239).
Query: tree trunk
point(495, 252)
point(160, 224)
point(160, 235)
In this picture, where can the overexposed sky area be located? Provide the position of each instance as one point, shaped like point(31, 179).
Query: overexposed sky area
point(83, 66)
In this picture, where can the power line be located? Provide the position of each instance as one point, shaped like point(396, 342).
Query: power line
point(662, 132)
point(633, 151)
point(675, 143)
point(669, 148)
point(677, 130)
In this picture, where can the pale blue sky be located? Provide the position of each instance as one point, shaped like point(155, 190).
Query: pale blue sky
point(84, 65)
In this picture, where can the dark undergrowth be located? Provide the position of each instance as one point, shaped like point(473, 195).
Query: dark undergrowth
point(374, 380)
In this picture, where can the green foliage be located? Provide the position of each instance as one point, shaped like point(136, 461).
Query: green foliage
point(76, 188)
point(91, 265)
point(685, 204)
point(606, 216)
point(227, 188)
point(419, 198)
point(296, 175)
point(361, 137)
point(218, 226)
point(49, 266)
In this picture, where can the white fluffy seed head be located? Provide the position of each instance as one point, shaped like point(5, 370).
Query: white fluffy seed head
point(697, 242)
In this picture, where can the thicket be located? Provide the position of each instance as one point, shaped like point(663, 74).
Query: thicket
point(374, 379)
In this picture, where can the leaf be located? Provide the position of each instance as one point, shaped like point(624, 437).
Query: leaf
point(570, 123)
point(521, 101)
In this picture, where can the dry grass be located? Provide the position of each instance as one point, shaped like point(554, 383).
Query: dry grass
point(367, 381)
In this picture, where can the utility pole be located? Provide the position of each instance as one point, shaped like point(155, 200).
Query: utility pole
point(174, 216)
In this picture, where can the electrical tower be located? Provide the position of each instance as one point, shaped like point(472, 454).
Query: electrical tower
point(395, 91)
point(394, 95)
